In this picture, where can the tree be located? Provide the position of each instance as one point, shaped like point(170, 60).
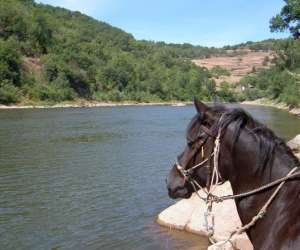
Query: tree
point(10, 62)
point(53, 54)
point(289, 18)
point(12, 20)
point(42, 32)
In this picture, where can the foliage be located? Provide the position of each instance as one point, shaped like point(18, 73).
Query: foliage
point(226, 94)
point(218, 71)
point(264, 45)
point(8, 92)
point(79, 57)
point(52, 54)
point(289, 18)
point(280, 82)
point(41, 32)
point(9, 62)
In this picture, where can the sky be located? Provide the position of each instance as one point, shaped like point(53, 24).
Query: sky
point(199, 22)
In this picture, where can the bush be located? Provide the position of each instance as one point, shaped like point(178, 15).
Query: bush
point(218, 71)
point(290, 94)
point(10, 62)
point(8, 93)
point(52, 93)
point(226, 93)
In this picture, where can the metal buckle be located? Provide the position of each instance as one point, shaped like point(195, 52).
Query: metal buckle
point(185, 173)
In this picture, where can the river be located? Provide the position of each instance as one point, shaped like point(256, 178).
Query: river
point(93, 178)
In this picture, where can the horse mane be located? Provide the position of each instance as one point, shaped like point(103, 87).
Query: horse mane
point(266, 138)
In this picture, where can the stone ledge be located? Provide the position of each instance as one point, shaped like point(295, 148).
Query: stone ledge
point(187, 214)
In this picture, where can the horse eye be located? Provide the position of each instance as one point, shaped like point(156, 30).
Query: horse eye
point(190, 143)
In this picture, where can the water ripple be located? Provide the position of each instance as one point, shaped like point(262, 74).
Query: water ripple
point(94, 178)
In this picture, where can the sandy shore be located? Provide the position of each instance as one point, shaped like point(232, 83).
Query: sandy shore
point(270, 103)
point(85, 104)
point(92, 104)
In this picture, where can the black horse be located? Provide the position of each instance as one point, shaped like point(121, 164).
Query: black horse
point(250, 156)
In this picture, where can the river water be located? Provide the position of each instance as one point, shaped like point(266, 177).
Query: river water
point(93, 178)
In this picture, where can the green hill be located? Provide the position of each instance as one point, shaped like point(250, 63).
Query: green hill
point(52, 54)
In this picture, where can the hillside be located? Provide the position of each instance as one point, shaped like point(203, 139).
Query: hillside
point(50, 54)
point(238, 63)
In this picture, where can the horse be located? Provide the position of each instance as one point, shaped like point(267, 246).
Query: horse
point(250, 156)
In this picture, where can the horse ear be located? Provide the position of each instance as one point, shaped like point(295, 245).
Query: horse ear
point(200, 106)
point(204, 109)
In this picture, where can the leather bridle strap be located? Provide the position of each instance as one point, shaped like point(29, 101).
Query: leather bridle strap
point(188, 172)
point(207, 131)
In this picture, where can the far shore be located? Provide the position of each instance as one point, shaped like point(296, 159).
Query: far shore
point(86, 104)
point(271, 103)
point(91, 104)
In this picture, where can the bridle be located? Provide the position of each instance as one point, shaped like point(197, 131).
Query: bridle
point(215, 179)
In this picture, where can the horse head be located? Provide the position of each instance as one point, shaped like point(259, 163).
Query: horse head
point(200, 137)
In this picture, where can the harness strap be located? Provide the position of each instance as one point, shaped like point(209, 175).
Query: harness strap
point(207, 131)
point(257, 190)
point(186, 172)
point(263, 210)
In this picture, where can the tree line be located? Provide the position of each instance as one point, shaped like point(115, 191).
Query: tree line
point(282, 81)
point(53, 54)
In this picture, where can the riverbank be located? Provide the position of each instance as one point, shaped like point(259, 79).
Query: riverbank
point(89, 104)
point(271, 103)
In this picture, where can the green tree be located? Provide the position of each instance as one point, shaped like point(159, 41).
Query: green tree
point(42, 32)
point(10, 62)
point(53, 54)
point(13, 19)
point(289, 18)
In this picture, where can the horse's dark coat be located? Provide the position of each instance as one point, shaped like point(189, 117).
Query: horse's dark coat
point(251, 155)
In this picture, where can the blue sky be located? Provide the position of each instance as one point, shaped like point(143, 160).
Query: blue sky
point(200, 22)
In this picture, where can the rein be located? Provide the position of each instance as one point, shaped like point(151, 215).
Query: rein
point(214, 181)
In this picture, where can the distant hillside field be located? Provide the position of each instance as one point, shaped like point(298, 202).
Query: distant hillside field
point(239, 64)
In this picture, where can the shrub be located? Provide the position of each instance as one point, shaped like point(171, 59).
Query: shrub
point(10, 62)
point(8, 93)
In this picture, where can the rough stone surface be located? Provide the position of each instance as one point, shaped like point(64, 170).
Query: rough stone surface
point(222, 246)
point(188, 215)
point(294, 144)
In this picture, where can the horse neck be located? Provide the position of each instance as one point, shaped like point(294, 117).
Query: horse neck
point(245, 174)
